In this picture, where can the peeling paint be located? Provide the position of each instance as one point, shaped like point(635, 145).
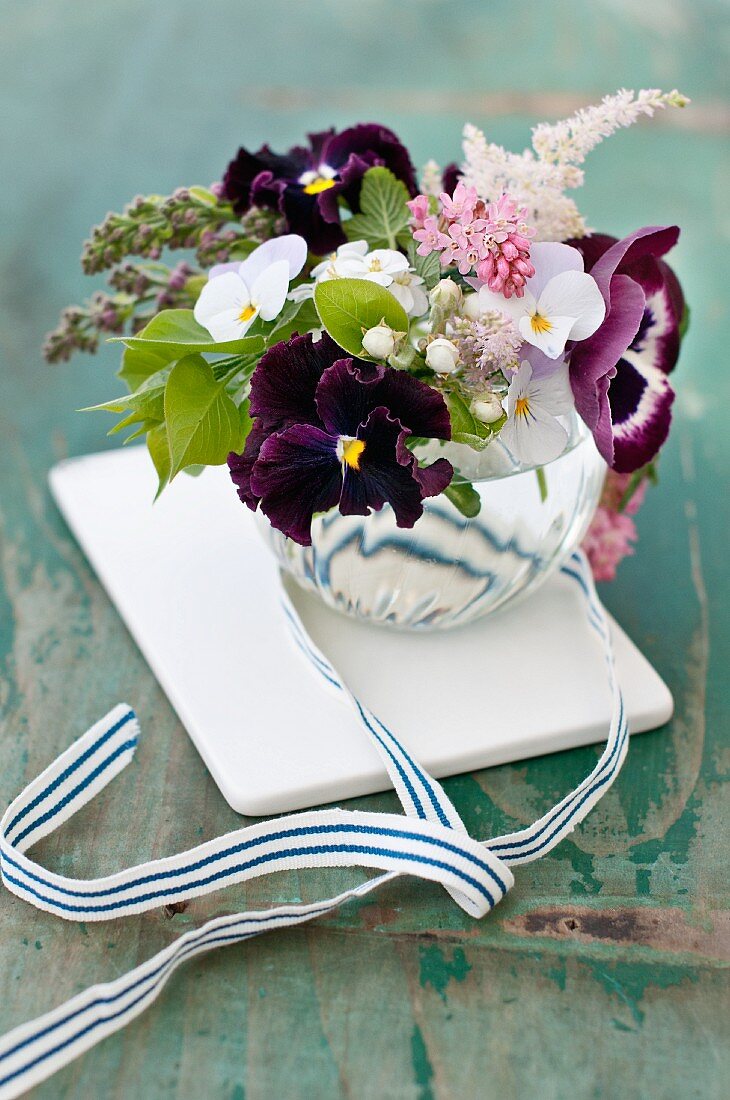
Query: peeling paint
point(437, 971)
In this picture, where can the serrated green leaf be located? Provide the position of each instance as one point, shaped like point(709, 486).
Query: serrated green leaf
point(428, 267)
point(159, 450)
point(175, 332)
point(383, 211)
point(349, 307)
point(203, 423)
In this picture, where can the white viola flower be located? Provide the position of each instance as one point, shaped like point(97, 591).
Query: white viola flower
point(236, 294)
point(561, 302)
point(335, 266)
point(407, 288)
point(531, 432)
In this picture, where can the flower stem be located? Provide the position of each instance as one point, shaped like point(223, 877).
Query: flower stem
point(542, 483)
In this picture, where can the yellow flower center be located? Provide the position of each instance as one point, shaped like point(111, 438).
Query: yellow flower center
point(522, 407)
point(350, 452)
point(247, 313)
point(317, 185)
point(540, 325)
point(375, 265)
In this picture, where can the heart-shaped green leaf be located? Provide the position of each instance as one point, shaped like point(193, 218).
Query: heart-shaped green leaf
point(203, 422)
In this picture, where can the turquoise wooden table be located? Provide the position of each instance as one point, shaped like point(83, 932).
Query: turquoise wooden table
point(602, 974)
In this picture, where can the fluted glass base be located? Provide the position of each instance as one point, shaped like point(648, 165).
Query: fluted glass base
point(449, 570)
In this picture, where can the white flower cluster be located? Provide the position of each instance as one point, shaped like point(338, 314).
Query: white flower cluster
point(539, 177)
point(570, 141)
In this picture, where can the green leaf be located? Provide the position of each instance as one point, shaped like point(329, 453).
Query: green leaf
point(384, 214)
point(203, 423)
point(147, 402)
point(349, 307)
point(159, 450)
point(203, 196)
point(684, 322)
point(139, 363)
point(428, 267)
point(463, 496)
point(298, 317)
point(465, 428)
point(175, 332)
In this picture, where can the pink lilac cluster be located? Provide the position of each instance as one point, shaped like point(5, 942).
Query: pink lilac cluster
point(491, 240)
point(612, 533)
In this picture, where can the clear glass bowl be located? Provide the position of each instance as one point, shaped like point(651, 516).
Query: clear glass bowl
point(449, 570)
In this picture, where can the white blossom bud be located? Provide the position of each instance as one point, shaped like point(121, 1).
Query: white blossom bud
point(442, 356)
point(470, 307)
point(379, 341)
point(487, 408)
point(446, 294)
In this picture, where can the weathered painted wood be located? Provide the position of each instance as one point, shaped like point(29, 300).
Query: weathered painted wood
point(602, 975)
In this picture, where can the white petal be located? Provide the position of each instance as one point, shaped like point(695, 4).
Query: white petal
point(552, 393)
point(301, 293)
point(353, 248)
point(388, 259)
point(534, 438)
point(220, 269)
point(574, 294)
point(380, 277)
point(402, 294)
point(269, 291)
point(350, 267)
point(420, 301)
point(549, 259)
point(497, 303)
point(290, 247)
point(221, 301)
point(552, 343)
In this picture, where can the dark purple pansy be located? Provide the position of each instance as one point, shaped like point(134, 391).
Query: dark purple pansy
point(331, 431)
point(619, 375)
point(305, 184)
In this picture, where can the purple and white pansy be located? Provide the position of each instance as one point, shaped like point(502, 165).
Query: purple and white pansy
point(619, 376)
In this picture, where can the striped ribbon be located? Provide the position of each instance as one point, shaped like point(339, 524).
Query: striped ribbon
point(430, 842)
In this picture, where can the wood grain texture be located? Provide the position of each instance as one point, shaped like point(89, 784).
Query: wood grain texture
point(603, 974)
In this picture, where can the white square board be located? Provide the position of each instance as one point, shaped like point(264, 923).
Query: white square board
point(198, 591)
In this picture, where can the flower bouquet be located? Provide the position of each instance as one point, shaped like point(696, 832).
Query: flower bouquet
point(417, 387)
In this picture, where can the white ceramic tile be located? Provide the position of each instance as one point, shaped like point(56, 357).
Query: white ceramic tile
point(198, 590)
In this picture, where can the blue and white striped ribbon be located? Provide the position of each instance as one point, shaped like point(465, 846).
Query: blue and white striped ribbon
point(430, 842)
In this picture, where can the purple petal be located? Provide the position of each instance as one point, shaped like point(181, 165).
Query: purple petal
point(350, 389)
point(641, 400)
point(241, 465)
point(450, 177)
point(304, 215)
point(297, 474)
point(649, 241)
point(284, 383)
point(378, 145)
point(243, 170)
point(385, 473)
point(435, 478)
point(657, 339)
point(594, 360)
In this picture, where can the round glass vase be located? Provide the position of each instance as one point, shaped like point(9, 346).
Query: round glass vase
point(449, 569)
